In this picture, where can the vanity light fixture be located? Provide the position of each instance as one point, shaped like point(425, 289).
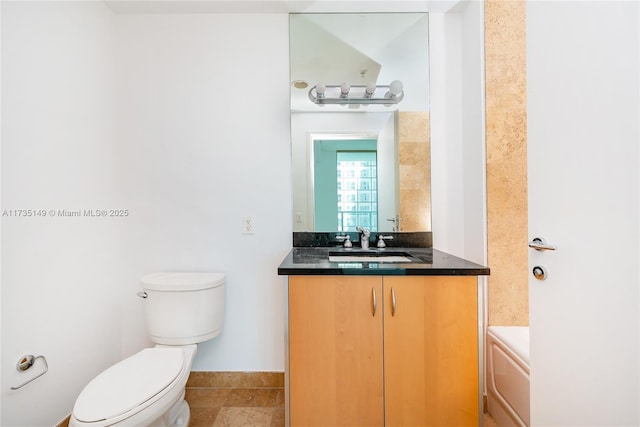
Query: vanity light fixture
point(357, 94)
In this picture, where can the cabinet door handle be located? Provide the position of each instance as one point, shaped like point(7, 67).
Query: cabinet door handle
point(393, 302)
point(374, 301)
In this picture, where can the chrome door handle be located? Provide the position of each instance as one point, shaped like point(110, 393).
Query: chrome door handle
point(539, 244)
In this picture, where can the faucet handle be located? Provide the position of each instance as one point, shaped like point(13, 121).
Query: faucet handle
point(346, 239)
point(381, 239)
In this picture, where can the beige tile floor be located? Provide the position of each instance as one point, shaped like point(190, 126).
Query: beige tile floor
point(236, 407)
point(270, 415)
point(237, 400)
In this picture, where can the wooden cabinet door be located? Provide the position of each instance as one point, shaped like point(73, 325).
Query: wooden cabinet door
point(431, 351)
point(335, 351)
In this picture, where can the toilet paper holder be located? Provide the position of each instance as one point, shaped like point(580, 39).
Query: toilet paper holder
point(26, 362)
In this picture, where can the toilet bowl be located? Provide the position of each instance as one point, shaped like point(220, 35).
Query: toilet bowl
point(148, 388)
point(138, 390)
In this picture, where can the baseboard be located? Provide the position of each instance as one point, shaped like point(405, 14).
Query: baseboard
point(236, 379)
point(64, 423)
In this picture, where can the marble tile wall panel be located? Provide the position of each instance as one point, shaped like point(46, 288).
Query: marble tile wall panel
point(414, 160)
point(505, 63)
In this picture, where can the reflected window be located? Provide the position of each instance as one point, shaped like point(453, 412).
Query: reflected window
point(357, 185)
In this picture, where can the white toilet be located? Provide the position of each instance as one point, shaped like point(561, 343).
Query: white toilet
point(147, 389)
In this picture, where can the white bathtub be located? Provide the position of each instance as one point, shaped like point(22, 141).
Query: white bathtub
point(508, 375)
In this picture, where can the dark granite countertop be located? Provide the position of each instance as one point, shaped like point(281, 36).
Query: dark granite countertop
point(425, 262)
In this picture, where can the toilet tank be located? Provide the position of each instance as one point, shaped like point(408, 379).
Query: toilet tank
point(183, 308)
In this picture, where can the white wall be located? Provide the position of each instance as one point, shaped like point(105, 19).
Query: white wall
point(61, 285)
point(457, 131)
point(181, 119)
point(203, 115)
point(473, 133)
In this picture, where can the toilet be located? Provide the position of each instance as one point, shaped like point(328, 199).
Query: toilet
point(148, 388)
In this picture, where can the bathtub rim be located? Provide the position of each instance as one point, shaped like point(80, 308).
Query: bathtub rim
point(500, 334)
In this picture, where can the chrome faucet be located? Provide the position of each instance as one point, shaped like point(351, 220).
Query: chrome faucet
point(346, 239)
point(381, 244)
point(364, 236)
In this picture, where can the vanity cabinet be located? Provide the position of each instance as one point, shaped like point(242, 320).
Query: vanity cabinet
point(383, 351)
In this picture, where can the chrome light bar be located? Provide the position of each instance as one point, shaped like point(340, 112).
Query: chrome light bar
point(357, 94)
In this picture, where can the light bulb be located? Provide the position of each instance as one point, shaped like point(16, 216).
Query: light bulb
point(344, 90)
point(395, 87)
point(369, 90)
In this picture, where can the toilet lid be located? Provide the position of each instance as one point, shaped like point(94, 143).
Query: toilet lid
point(186, 281)
point(128, 384)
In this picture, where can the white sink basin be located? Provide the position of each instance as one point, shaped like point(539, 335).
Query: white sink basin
point(369, 257)
point(357, 258)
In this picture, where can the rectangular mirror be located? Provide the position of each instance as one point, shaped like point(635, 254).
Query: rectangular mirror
point(360, 122)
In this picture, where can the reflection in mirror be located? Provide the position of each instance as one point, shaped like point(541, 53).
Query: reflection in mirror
point(345, 176)
point(360, 164)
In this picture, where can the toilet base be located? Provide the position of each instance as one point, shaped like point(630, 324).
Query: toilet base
point(178, 415)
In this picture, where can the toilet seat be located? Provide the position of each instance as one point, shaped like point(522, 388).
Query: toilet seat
point(130, 385)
